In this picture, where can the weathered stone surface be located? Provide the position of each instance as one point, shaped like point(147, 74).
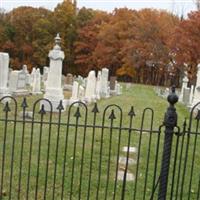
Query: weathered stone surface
point(129, 176)
point(54, 92)
point(4, 72)
point(131, 149)
point(131, 161)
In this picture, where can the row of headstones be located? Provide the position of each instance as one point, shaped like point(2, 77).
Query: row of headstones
point(92, 88)
point(17, 82)
point(189, 96)
point(12, 82)
point(21, 82)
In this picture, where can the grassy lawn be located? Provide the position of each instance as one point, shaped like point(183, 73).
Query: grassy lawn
point(64, 158)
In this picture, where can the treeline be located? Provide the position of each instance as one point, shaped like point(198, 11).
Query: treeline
point(146, 46)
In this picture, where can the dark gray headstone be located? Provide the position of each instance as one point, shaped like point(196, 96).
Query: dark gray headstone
point(112, 82)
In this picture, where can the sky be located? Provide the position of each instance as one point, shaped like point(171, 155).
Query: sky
point(176, 6)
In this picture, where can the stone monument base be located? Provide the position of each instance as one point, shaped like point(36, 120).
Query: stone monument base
point(21, 93)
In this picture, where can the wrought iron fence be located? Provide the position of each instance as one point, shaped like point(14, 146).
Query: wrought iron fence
point(89, 154)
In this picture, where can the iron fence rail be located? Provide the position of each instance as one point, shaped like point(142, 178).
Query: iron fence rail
point(90, 155)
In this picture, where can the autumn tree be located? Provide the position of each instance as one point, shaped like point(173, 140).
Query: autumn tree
point(87, 41)
point(148, 51)
point(185, 43)
point(65, 23)
point(23, 43)
point(111, 39)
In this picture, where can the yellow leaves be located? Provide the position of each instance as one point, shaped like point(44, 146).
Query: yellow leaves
point(126, 70)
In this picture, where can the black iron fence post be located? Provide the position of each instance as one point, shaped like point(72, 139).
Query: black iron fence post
point(170, 122)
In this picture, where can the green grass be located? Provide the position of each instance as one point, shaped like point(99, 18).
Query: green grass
point(140, 97)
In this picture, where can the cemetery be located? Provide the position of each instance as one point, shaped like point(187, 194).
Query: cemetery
point(118, 121)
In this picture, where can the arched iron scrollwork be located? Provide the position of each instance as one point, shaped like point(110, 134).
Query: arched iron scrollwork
point(52, 132)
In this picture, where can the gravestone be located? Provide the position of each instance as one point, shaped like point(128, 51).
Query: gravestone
point(36, 89)
point(75, 91)
point(118, 89)
point(4, 72)
point(104, 83)
point(68, 82)
point(45, 77)
point(25, 71)
point(184, 85)
point(45, 73)
point(81, 93)
point(112, 82)
point(131, 149)
point(80, 79)
point(128, 86)
point(98, 86)
point(17, 83)
point(90, 87)
point(186, 96)
point(197, 88)
point(54, 91)
point(191, 94)
point(32, 76)
point(129, 176)
point(123, 160)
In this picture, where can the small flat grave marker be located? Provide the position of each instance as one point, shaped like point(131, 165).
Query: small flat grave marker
point(131, 161)
point(129, 176)
point(131, 149)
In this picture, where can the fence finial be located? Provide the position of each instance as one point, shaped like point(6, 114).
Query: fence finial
point(112, 115)
point(24, 103)
point(42, 110)
point(60, 106)
point(77, 113)
point(172, 97)
point(95, 109)
point(7, 108)
point(131, 112)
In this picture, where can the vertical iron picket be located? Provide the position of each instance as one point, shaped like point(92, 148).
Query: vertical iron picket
point(180, 158)
point(174, 168)
point(193, 154)
point(118, 151)
point(77, 115)
point(6, 110)
point(42, 112)
point(100, 155)
point(24, 106)
point(48, 148)
point(131, 114)
point(13, 148)
point(83, 148)
point(65, 152)
point(95, 110)
point(59, 108)
point(111, 117)
point(148, 154)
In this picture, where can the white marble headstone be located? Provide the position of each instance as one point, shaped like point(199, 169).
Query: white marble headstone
point(104, 83)
point(90, 87)
point(4, 72)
